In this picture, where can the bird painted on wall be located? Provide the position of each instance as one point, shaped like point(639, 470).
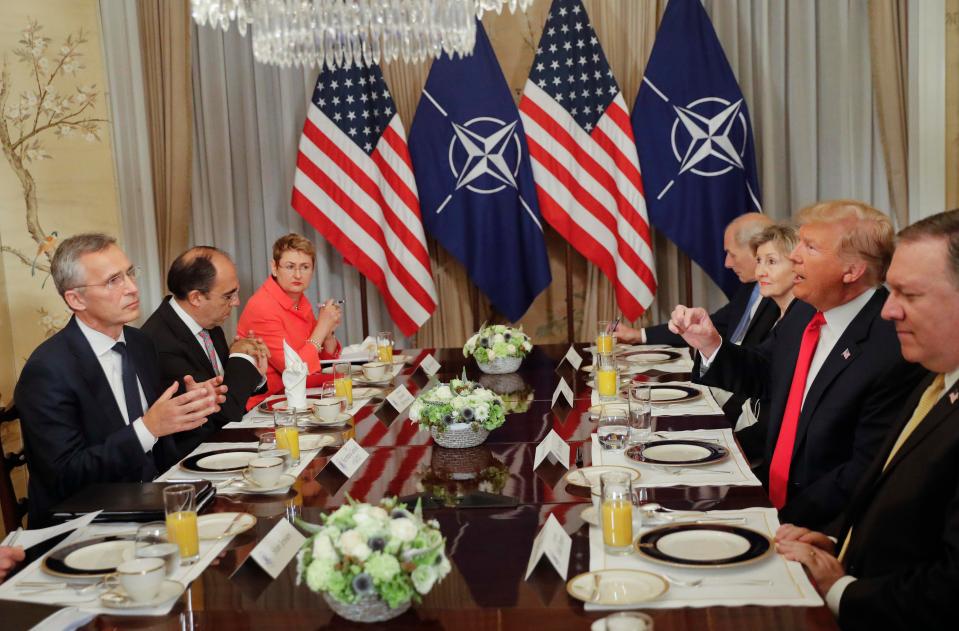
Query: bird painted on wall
point(46, 246)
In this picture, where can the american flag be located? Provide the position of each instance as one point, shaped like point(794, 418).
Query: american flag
point(354, 184)
point(584, 156)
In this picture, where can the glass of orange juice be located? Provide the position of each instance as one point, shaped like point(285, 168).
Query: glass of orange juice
point(179, 503)
point(607, 377)
point(616, 507)
point(343, 381)
point(605, 342)
point(287, 433)
point(384, 346)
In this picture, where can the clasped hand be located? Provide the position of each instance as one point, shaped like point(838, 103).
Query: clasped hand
point(696, 328)
point(814, 550)
point(170, 414)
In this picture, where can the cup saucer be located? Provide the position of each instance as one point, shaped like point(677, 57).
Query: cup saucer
point(118, 599)
point(247, 485)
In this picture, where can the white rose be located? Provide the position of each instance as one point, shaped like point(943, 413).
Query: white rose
point(511, 350)
point(527, 346)
point(498, 338)
point(415, 410)
point(442, 393)
point(403, 529)
point(459, 403)
point(323, 549)
point(352, 543)
point(491, 354)
point(481, 411)
point(379, 513)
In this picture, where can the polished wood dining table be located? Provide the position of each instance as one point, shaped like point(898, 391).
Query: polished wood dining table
point(490, 504)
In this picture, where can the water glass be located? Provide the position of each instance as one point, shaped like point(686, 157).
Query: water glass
point(179, 504)
point(640, 415)
point(384, 346)
point(616, 507)
point(343, 381)
point(287, 434)
point(605, 342)
point(268, 447)
point(152, 542)
point(607, 377)
point(613, 427)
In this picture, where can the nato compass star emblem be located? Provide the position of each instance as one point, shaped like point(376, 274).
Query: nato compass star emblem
point(708, 138)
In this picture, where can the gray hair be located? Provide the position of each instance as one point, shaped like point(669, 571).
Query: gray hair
point(748, 225)
point(66, 269)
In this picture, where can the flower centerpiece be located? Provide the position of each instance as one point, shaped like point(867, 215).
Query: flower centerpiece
point(458, 414)
point(371, 562)
point(498, 348)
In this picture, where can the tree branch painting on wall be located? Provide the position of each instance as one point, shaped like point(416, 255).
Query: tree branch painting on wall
point(50, 105)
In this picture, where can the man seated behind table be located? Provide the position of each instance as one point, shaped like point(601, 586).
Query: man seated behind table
point(898, 538)
point(280, 311)
point(746, 312)
point(831, 371)
point(92, 405)
point(186, 331)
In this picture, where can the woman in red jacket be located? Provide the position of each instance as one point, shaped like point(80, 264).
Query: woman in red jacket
point(280, 311)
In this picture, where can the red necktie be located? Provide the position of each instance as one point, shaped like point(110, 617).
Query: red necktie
point(782, 455)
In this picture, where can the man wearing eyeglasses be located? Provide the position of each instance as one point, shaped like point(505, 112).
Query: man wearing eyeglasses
point(93, 407)
point(186, 329)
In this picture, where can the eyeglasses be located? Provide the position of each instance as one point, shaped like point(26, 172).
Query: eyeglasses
point(116, 281)
point(291, 268)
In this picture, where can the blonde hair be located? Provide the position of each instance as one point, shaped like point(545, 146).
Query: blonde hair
point(870, 235)
point(296, 242)
point(782, 236)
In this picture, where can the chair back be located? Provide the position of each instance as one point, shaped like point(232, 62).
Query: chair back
point(13, 510)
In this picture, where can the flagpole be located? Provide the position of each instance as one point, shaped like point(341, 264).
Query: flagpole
point(363, 307)
point(569, 293)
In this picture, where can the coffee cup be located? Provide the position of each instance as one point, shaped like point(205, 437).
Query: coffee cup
point(265, 470)
point(327, 409)
point(278, 453)
point(141, 578)
point(375, 371)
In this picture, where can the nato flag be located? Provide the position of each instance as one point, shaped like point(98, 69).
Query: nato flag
point(694, 139)
point(475, 182)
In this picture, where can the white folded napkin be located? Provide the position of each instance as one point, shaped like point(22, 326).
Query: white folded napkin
point(294, 378)
point(363, 350)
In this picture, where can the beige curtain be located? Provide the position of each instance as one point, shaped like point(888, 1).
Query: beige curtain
point(165, 40)
point(888, 48)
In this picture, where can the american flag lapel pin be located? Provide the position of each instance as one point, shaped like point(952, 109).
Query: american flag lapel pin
point(846, 354)
point(953, 397)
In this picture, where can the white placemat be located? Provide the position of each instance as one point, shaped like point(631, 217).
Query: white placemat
point(731, 471)
point(789, 587)
point(209, 550)
point(256, 419)
point(701, 405)
point(177, 473)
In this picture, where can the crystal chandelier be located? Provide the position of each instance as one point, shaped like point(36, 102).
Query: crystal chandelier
point(344, 32)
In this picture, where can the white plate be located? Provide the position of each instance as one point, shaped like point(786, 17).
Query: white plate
point(617, 587)
point(649, 358)
point(100, 556)
point(619, 407)
point(589, 476)
point(230, 461)
point(309, 442)
point(168, 591)
point(667, 394)
point(676, 453)
point(248, 486)
point(703, 545)
point(214, 525)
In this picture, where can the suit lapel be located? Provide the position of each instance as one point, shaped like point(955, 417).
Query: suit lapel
point(947, 405)
point(186, 338)
point(842, 355)
point(92, 373)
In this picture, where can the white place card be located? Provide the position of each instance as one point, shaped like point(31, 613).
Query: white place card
point(26, 539)
point(555, 543)
point(400, 398)
point(349, 458)
point(575, 359)
point(563, 388)
point(278, 548)
point(554, 445)
point(429, 365)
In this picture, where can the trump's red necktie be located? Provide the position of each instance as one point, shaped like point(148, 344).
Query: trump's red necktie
point(782, 455)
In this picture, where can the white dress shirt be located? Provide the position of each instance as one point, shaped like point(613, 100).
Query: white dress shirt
point(195, 330)
point(834, 595)
point(111, 363)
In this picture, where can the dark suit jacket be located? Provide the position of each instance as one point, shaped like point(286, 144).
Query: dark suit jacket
point(850, 406)
point(74, 433)
point(724, 319)
point(181, 355)
point(905, 539)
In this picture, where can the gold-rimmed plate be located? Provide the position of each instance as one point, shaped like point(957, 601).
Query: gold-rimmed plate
point(618, 588)
point(588, 477)
point(651, 357)
point(703, 545)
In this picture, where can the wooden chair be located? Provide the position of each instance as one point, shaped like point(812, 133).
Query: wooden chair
point(13, 510)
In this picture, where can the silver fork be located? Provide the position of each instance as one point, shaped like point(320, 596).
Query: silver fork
point(697, 582)
point(679, 470)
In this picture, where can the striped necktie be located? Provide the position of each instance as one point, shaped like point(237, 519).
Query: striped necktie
point(210, 351)
point(928, 400)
